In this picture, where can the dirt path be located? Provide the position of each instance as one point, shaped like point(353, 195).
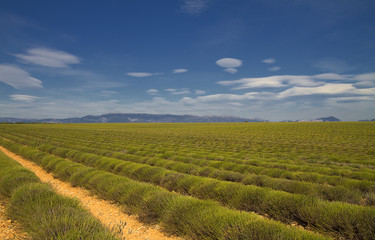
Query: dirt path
point(10, 230)
point(111, 215)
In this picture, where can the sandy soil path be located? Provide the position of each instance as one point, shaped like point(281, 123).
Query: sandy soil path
point(124, 225)
point(10, 230)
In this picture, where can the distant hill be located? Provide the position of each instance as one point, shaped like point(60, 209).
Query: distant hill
point(137, 118)
point(366, 120)
point(323, 119)
point(329, 119)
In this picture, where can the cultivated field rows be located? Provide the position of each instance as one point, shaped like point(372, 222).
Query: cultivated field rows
point(262, 176)
point(42, 212)
point(318, 176)
point(347, 190)
point(359, 172)
point(180, 215)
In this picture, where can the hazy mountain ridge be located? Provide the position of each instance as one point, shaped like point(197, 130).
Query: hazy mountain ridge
point(136, 118)
point(328, 119)
point(367, 120)
point(155, 118)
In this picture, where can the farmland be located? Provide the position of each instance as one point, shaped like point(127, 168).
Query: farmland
point(222, 180)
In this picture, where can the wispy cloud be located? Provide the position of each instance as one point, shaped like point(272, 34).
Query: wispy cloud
point(48, 58)
point(195, 7)
point(267, 105)
point(229, 64)
point(352, 99)
point(326, 91)
point(23, 98)
point(199, 92)
point(365, 77)
point(269, 60)
point(319, 87)
point(231, 70)
point(152, 91)
point(279, 81)
point(274, 69)
point(219, 98)
point(182, 91)
point(108, 92)
point(142, 74)
point(18, 78)
point(364, 84)
point(59, 108)
point(333, 76)
point(179, 70)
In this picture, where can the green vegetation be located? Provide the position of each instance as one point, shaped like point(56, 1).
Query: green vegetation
point(192, 177)
point(193, 218)
point(43, 213)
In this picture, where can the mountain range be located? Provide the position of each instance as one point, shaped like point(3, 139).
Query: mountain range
point(153, 118)
point(328, 119)
point(136, 118)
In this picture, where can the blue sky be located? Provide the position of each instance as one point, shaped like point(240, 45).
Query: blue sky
point(270, 59)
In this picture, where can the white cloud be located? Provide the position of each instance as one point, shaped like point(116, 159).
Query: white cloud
point(194, 7)
point(237, 104)
point(365, 77)
point(199, 92)
point(179, 70)
point(327, 89)
point(274, 69)
point(231, 70)
point(269, 60)
point(142, 74)
point(276, 81)
point(182, 91)
point(48, 57)
point(332, 76)
point(230, 64)
point(364, 84)
point(365, 91)
point(266, 105)
point(279, 81)
point(334, 89)
point(108, 92)
point(152, 91)
point(23, 98)
point(352, 99)
point(345, 92)
point(219, 98)
point(18, 78)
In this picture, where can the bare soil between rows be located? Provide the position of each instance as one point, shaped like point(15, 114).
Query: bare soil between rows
point(10, 230)
point(111, 215)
